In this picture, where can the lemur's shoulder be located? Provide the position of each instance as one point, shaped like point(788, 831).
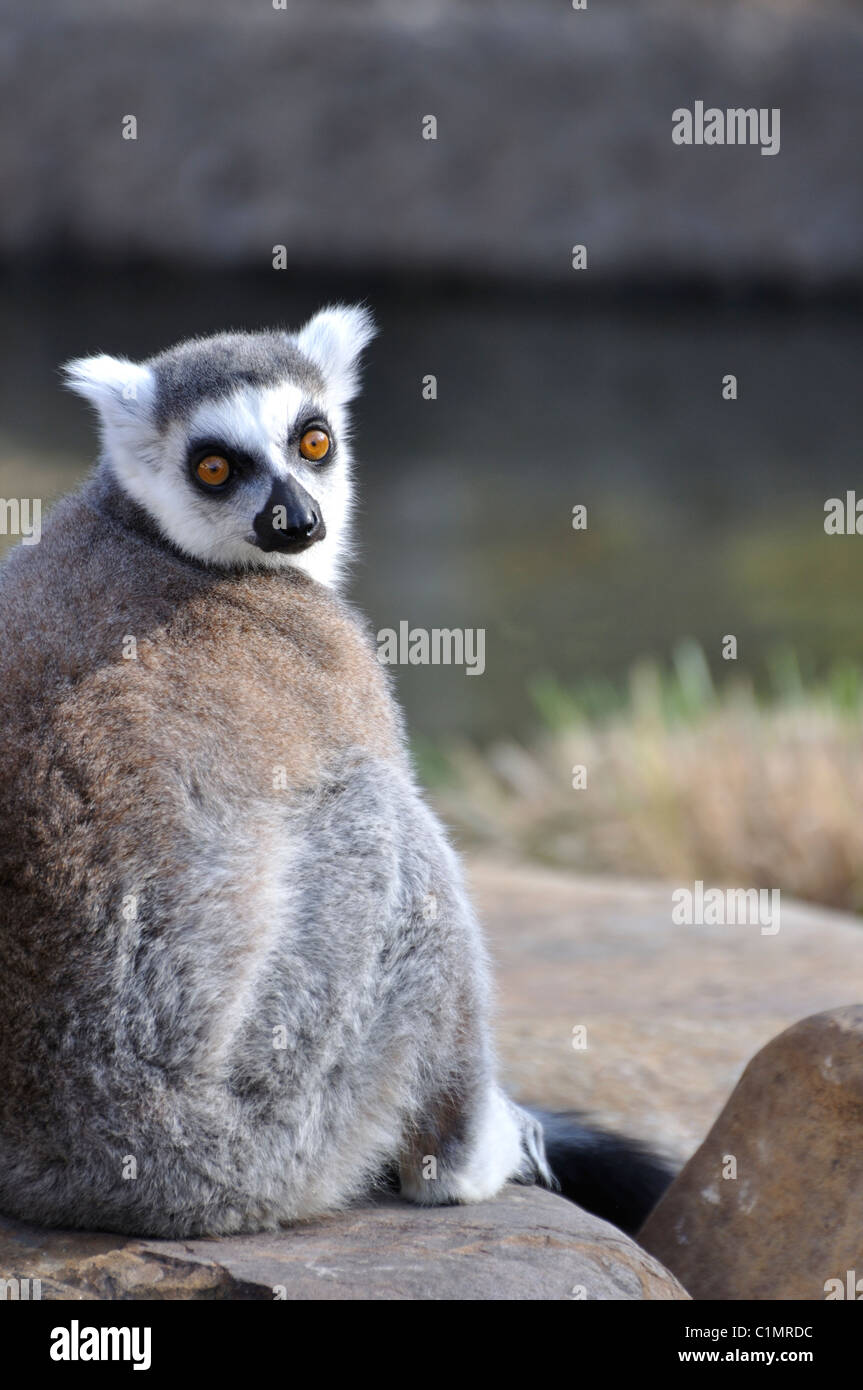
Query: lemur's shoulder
point(128, 637)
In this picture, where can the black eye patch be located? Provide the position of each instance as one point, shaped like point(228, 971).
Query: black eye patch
point(202, 457)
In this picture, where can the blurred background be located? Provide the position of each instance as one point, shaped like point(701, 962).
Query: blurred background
point(302, 127)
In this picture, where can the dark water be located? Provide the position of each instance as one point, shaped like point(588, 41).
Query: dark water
point(705, 516)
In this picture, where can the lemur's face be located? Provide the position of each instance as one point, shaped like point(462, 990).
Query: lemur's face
point(237, 446)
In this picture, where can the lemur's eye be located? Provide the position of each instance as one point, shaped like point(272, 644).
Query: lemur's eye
point(213, 470)
point(315, 445)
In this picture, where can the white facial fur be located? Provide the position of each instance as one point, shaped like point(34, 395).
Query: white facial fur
point(217, 531)
point(150, 463)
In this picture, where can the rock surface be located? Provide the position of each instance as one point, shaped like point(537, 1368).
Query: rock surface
point(528, 1244)
point(554, 128)
point(792, 1218)
point(672, 1013)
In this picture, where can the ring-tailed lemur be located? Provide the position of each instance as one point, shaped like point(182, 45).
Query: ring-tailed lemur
point(240, 980)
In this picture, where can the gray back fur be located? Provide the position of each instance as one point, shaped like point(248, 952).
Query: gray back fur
point(206, 368)
point(239, 976)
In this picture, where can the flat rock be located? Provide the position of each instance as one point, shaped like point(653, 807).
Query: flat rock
point(672, 1013)
point(792, 1218)
point(527, 1244)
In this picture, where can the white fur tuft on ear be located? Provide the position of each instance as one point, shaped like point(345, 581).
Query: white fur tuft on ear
point(121, 390)
point(333, 341)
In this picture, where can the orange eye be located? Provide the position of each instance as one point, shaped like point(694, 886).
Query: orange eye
point(213, 470)
point(315, 445)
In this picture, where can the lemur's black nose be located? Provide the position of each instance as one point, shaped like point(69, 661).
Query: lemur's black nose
point(290, 520)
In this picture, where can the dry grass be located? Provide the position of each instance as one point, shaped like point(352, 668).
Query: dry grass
point(682, 783)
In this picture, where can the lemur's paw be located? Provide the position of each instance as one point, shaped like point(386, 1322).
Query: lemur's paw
point(508, 1147)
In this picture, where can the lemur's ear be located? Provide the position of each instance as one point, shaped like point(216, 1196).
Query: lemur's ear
point(121, 391)
point(333, 341)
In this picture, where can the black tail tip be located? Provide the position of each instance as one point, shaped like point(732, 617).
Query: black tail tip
point(616, 1178)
